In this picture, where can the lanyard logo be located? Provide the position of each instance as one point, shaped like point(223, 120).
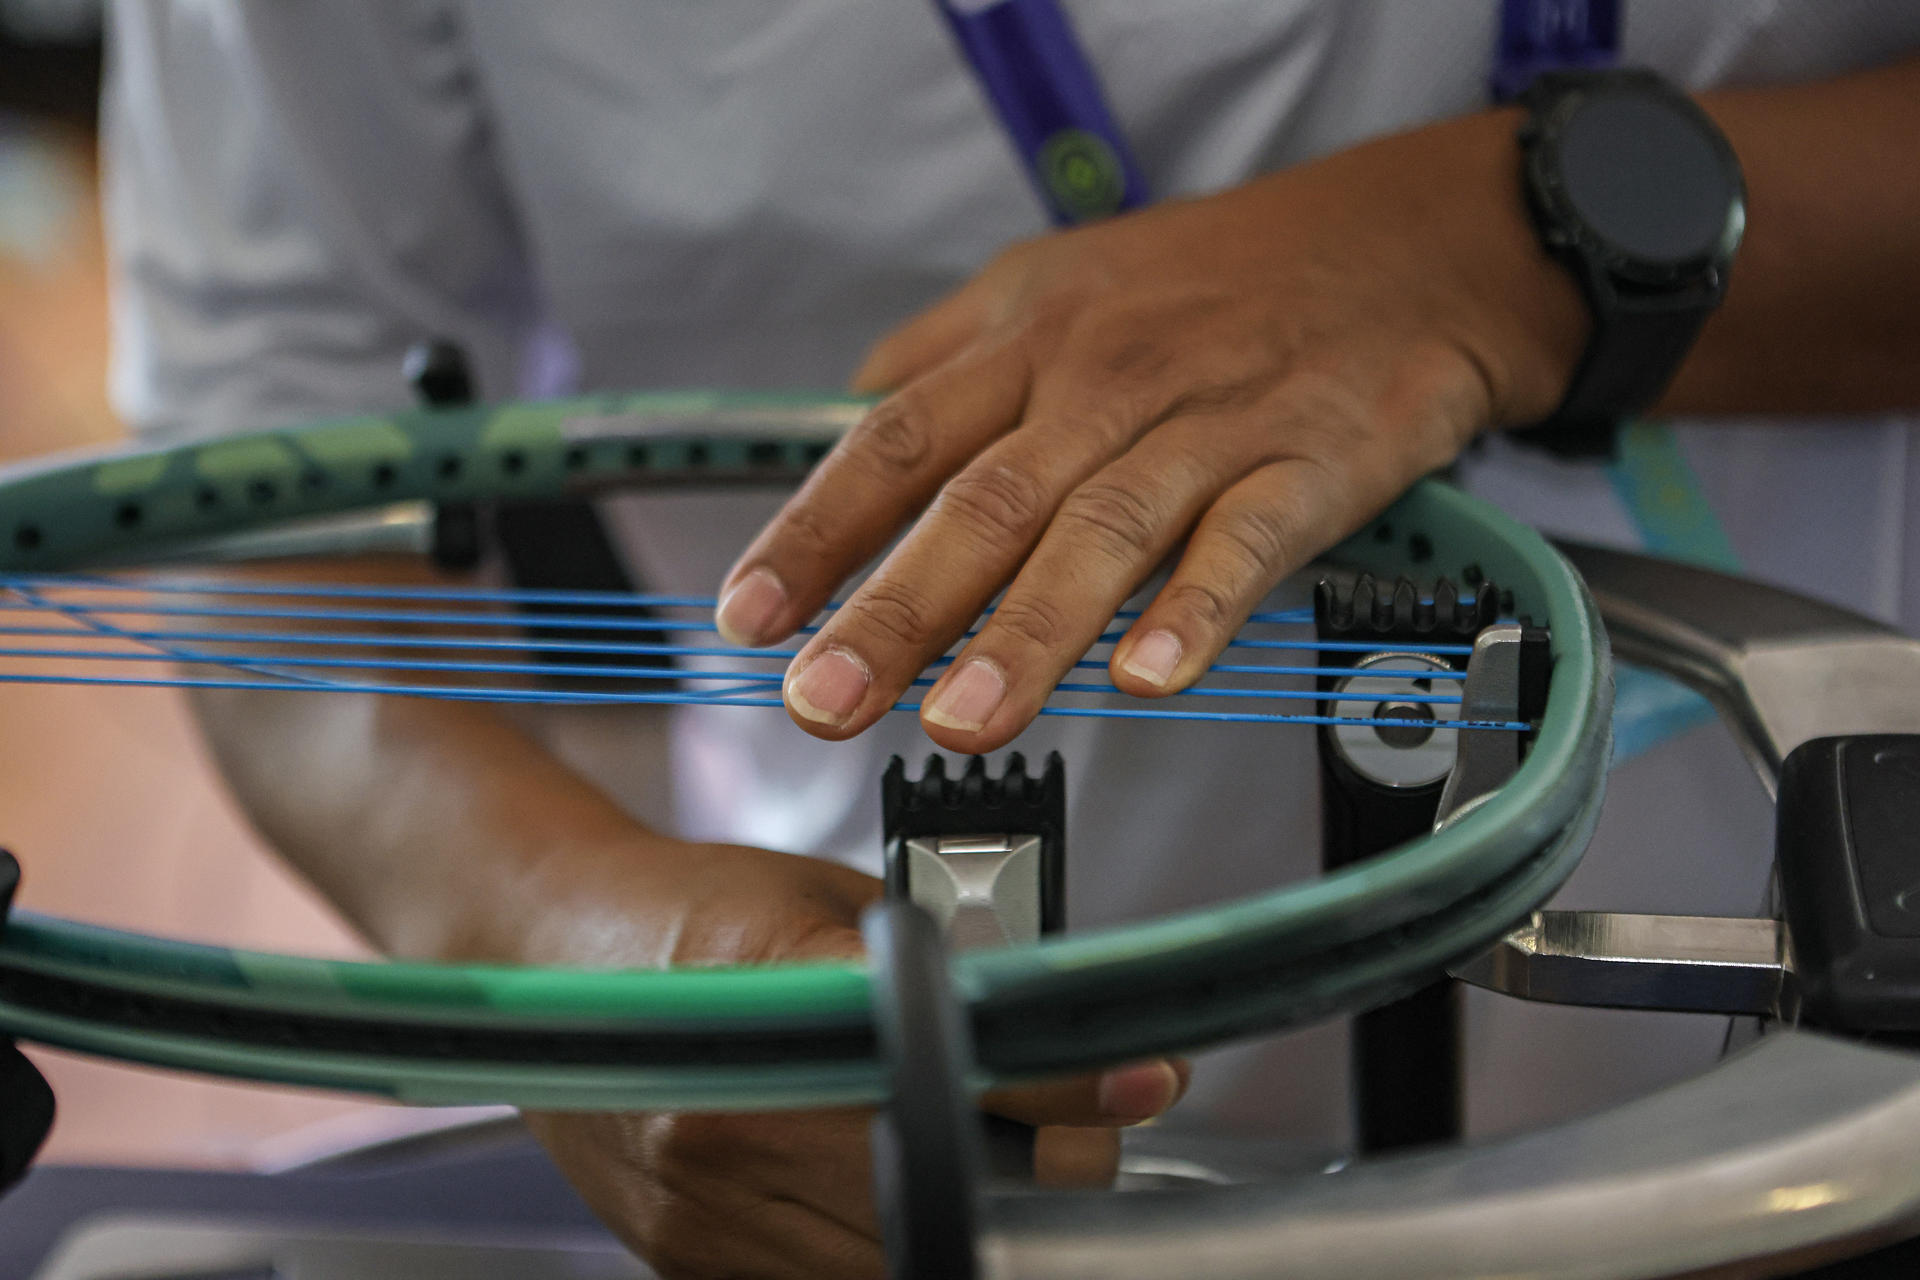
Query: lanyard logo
point(1082, 175)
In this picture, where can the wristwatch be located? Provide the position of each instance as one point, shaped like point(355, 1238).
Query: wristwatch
point(1637, 192)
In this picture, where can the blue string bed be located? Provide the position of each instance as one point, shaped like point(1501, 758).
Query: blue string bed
point(464, 643)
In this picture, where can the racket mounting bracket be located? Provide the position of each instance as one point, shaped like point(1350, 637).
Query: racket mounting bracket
point(1382, 786)
point(26, 1100)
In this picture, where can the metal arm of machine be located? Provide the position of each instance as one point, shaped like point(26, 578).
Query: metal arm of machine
point(1781, 668)
point(1696, 964)
point(1801, 1146)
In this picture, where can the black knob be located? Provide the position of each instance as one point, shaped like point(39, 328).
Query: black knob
point(439, 374)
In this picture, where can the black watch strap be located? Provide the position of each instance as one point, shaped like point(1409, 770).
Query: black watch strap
point(1632, 354)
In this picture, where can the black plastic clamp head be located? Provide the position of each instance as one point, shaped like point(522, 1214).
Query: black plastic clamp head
point(927, 1158)
point(975, 804)
point(1402, 614)
point(26, 1100)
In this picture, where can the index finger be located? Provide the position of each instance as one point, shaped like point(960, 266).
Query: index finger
point(925, 341)
point(880, 474)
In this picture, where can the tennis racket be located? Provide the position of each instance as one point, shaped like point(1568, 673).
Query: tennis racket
point(81, 536)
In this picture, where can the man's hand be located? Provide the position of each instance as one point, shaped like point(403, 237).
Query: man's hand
point(784, 1194)
point(444, 832)
point(1257, 372)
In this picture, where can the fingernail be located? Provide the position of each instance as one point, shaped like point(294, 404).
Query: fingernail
point(1140, 1091)
point(829, 690)
point(1153, 658)
point(969, 698)
point(749, 610)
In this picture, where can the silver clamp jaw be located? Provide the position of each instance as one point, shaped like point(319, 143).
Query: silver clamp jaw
point(984, 890)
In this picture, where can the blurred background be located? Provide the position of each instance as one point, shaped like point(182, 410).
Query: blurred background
point(105, 795)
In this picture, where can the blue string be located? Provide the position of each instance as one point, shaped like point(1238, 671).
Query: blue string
point(563, 622)
point(495, 595)
point(739, 689)
point(605, 647)
point(357, 591)
point(569, 697)
point(271, 664)
point(445, 617)
point(99, 627)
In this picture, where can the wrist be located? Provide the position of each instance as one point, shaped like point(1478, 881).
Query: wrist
point(614, 902)
point(1528, 324)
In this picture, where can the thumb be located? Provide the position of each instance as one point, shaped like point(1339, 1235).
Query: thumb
point(1120, 1095)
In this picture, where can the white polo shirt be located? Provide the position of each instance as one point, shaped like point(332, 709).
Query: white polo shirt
point(746, 193)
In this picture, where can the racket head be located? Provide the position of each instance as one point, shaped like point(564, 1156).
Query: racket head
point(758, 1037)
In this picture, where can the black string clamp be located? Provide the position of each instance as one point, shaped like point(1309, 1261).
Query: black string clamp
point(975, 804)
point(1401, 614)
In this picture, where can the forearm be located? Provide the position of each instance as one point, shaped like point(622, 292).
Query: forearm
point(439, 828)
point(1819, 315)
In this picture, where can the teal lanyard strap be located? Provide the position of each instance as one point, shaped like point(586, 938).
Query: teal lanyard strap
point(1662, 496)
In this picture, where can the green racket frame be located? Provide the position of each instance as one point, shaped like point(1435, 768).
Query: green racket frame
point(756, 1037)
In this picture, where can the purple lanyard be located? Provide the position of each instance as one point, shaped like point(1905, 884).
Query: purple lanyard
point(1048, 98)
point(1552, 35)
point(1043, 88)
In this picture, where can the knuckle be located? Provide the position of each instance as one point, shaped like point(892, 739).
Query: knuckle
point(1032, 620)
point(1103, 422)
point(805, 531)
point(1263, 534)
point(1133, 357)
point(894, 612)
point(1204, 602)
point(897, 437)
point(1218, 396)
point(1325, 419)
point(695, 1140)
point(997, 501)
point(1117, 519)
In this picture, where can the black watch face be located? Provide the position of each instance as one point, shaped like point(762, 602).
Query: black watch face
point(1648, 181)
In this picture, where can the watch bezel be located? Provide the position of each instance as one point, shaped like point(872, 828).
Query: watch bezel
point(1556, 99)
